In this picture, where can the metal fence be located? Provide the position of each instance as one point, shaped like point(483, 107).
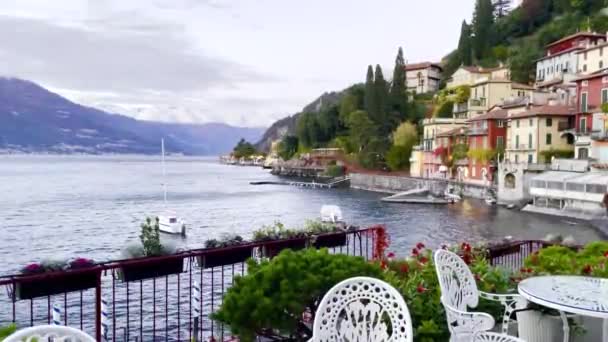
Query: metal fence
point(511, 255)
point(174, 307)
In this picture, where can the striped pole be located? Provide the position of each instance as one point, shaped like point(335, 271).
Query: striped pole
point(56, 314)
point(104, 318)
point(197, 300)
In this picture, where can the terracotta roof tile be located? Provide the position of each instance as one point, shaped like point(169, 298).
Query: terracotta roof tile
point(453, 132)
point(498, 114)
point(599, 73)
point(546, 110)
point(422, 65)
point(516, 85)
point(574, 48)
point(576, 35)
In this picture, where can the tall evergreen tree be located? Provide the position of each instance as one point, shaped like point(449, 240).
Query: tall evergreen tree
point(369, 99)
point(398, 91)
point(380, 102)
point(483, 22)
point(464, 44)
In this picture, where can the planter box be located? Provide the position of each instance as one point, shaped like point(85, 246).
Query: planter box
point(225, 256)
point(272, 249)
point(59, 283)
point(160, 268)
point(330, 240)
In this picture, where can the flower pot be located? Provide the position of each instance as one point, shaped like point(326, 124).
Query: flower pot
point(330, 240)
point(273, 248)
point(152, 269)
point(534, 326)
point(55, 283)
point(225, 256)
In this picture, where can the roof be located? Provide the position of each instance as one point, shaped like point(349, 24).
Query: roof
point(568, 50)
point(593, 47)
point(481, 70)
point(452, 132)
point(550, 82)
point(599, 73)
point(577, 35)
point(498, 114)
point(516, 85)
point(422, 65)
point(546, 110)
point(517, 102)
point(555, 176)
point(490, 80)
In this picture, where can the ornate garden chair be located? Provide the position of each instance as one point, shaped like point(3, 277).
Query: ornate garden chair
point(58, 333)
point(495, 337)
point(459, 291)
point(362, 309)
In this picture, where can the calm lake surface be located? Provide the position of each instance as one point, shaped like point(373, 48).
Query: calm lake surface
point(91, 206)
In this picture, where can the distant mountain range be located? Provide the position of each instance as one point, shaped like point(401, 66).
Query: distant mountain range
point(33, 119)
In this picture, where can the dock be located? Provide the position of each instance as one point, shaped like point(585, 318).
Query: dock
point(418, 196)
point(314, 185)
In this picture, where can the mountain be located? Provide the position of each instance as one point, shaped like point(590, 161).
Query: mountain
point(287, 125)
point(33, 119)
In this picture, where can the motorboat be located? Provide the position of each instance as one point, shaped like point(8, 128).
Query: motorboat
point(169, 222)
point(331, 214)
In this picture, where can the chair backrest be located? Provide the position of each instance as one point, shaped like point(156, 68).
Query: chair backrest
point(495, 337)
point(458, 287)
point(360, 309)
point(58, 333)
point(463, 324)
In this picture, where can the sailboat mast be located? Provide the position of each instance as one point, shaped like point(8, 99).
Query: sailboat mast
point(162, 147)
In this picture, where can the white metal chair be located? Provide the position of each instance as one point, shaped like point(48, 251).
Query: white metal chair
point(361, 309)
point(464, 325)
point(495, 337)
point(459, 290)
point(58, 333)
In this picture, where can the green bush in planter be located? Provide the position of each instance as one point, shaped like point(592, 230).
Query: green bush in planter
point(7, 330)
point(271, 299)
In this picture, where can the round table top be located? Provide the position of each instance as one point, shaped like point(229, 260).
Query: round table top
point(579, 295)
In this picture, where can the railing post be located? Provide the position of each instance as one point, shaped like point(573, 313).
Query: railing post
point(98, 308)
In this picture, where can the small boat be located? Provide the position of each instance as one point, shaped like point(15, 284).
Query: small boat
point(331, 214)
point(490, 200)
point(168, 222)
point(451, 195)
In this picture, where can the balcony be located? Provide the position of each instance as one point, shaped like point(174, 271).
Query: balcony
point(477, 131)
point(481, 102)
point(564, 126)
point(599, 136)
point(521, 147)
point(461, 108)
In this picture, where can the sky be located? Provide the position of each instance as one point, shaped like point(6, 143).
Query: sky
point(241, 62)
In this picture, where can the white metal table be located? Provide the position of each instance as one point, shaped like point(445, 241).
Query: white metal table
point(583, 296)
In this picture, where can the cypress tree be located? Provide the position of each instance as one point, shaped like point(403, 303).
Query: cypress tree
point(464, 44)
point(369, 103)
point(483, 21)
point(398, 91)
point(380, 102)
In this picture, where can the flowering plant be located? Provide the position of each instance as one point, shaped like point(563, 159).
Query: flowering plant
point(79, 263)
point(591, 260)
point(43, 267)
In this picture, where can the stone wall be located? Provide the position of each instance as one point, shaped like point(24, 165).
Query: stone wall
point(394, 184)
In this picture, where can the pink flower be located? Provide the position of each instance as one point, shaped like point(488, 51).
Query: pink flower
point(477, 277)
point(420, 245)
point(390, 255)
point(424, 260)
point(415, 252)
point(421, 288)
point(606, 254)
point(587, 269)
point(466, 247)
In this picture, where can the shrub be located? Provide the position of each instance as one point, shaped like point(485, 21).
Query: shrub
point(271, 299)
point(398, 157)
point(549, 154)
point(334, 170)
point(592, 260)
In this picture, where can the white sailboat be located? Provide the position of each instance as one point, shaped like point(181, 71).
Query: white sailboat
point(168, 221)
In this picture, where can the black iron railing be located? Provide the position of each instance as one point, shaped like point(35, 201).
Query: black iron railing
point(124, 303)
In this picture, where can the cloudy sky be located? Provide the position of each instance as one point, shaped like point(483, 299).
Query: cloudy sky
point(243, 62)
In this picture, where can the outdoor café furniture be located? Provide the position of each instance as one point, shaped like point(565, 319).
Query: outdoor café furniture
point(583, 296)
point(360, 309)
point(56, 333)
point(463, 325)
point(495, 337)
point(459, 292)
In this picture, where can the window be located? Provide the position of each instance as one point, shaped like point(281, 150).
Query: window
point(583, 125)
point(584, 67)
point(575, 187)
point(566, 65)
point(605, 95)
point(500, 123)
point(601, 64)
point(530, 158)
point(549, 122)
point(510, 179)
point(529, 140)
point(548, 139)
point(500, 143)
point(584, 102)
point(596, 188)
point(516, 141)
point(583, 153)
point(585, 56)
point(517, 123)
point(531, 122)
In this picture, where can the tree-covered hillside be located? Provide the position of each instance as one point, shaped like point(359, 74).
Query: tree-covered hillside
point(519, 38)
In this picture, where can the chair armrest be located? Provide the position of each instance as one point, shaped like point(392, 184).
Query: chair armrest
point(503, 298)
point(509, 301)
point(465, 324)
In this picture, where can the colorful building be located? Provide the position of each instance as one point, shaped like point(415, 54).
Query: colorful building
point(433, 128)
point(423, 77)
point(590, 125)
point(469, 75)
point(489, 92)
point(487, 135)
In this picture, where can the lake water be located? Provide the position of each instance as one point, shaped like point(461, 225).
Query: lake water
point(91, 206)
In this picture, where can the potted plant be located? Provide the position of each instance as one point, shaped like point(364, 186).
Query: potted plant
point(326, 234)
point(150, 247)
point(54, 277)
point(228, 250)
point(278, 238)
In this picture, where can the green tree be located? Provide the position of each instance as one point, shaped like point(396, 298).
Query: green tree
point(243, 149)
point(483, 22)
point(288, 147)
point(381, 100)
point(398, 90)
point(270, 299)
point(361, 128)
point(370, 96)
point(465, 49)
point(405, 135)
point(445, 109)
point(522, 57)
point(398, 157)
point(329, 123)
point(347, 106)
point(308, 130)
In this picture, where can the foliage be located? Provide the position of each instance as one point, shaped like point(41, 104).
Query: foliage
point(482, 28)
point(372, 155)
point(150, 238)
point(271, 299)
point(482, 154)
point(243, 149)
point(398, 90)
point(334, 171)
point(592, 260)
point(57, 265)
point(465, 49)
point(459, 152)
point(317, 227)
point(288, 147)
point(406, 134)
point(398, 157)
point(361, 129)
point(557, 153)
point(444, 110)
point(225, 240)
point(379, 114)
point(7, 330)
point(605, 108)
point(275, 232)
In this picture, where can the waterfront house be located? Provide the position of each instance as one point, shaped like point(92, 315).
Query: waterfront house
point(593, 57)
point(423, 77)
point(433, 127)
point(590, 123)
point(469, 75)
point(488, 92)
point(416, 166)
point(486, 138)
point(536, 133)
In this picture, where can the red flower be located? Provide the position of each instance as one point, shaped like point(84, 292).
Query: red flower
point(420, 245)
point(534, 259)
point(421, 288)
point(587, 269)
point(33, 267)
point(405, 268)
point(424, 260)
point(477, 277)
point(383, 264)
point(467, 259)
point(529, 270)
point(606, 254)
point(522, 270)
point(465, 247)
point(415, 252)
point(390, 255)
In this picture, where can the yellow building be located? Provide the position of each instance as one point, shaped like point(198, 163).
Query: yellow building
point(536, 130)
point(469, 75)
point(594, 58)
point(489, 92)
